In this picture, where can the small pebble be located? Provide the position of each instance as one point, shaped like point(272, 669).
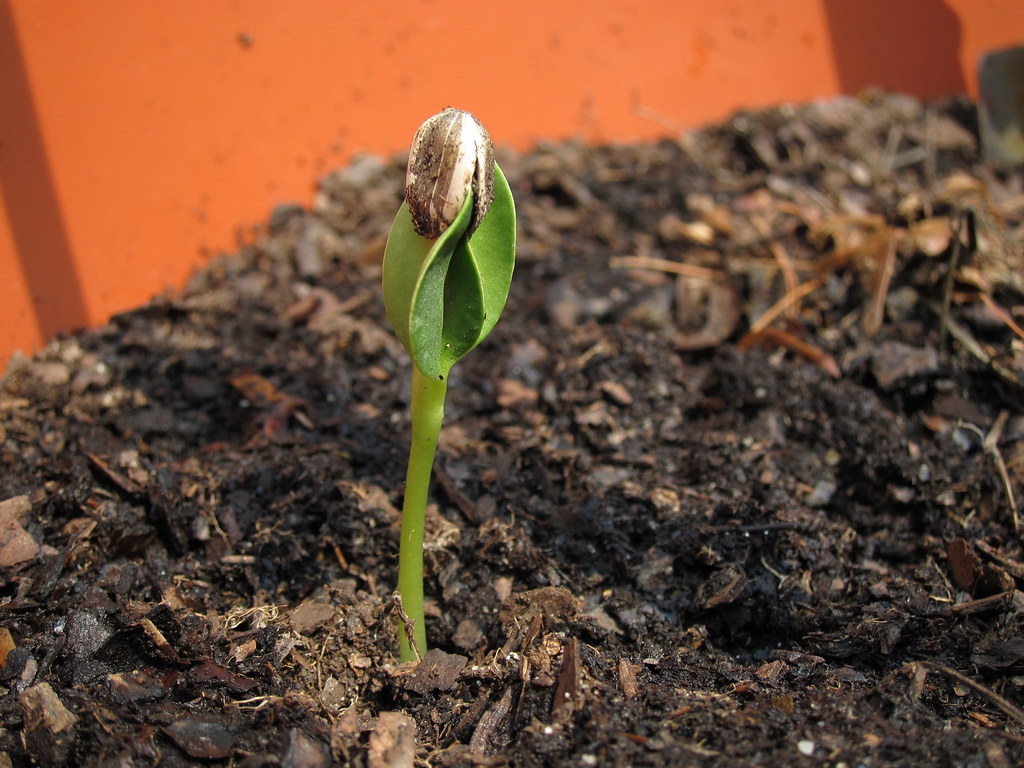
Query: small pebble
point(823, 492)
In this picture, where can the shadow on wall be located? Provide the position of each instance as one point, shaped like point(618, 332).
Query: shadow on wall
point(30, 198)
point(898, 46)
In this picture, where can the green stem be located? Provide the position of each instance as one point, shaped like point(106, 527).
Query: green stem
point(427, 413)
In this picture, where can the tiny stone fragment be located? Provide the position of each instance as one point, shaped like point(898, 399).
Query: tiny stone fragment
point(310, 615)
point(16, 508)
point(512, 393)
point(333, 695)
point(51, 373)
point(393, 741)
point(503, 588)
point(616, 392)
point(304, 752)
point(468, 635)
point(16, 544)
point(894, 360)
point(201, 738)
point(564, 305)
point(821, 494)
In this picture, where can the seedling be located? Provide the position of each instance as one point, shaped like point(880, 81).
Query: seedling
point(447, 270)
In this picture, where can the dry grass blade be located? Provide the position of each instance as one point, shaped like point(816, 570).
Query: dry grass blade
point(774, 311)
point(782, 260)
point(808, 351)
point(665, 265)
point(1002, 314)
point(872, 323)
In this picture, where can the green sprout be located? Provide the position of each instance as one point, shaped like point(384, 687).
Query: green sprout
point(447, 270)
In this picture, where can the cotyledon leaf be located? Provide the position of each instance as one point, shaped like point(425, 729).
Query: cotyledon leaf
point(444, 296)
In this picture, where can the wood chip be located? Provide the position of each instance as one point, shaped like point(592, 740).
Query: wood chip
point(437, 672)
point(963, 563)
point(721, 588)
point(48, 727)
point(627, 678)
point(7, 645)
point(970, 574)
point(771, 671)
point(568, 694)
point(122, 481)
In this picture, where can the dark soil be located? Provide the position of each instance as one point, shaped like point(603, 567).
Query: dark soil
point(759, 513)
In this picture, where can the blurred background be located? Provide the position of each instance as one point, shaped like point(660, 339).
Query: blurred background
point(139, 140)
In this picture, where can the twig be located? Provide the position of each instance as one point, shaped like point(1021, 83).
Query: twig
point(1014, 567)
point(982, 604)
point(763, 262)
point(1008, 708)
point(1002, 314)
point(966, 220)
point(974, 347)
point(991, 446)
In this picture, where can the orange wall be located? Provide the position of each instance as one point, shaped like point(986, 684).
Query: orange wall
point(137, 139)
